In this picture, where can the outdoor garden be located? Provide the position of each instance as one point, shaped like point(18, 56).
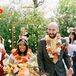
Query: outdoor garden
point(11, 21)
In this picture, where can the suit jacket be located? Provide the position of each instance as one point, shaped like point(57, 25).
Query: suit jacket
point(45, 63)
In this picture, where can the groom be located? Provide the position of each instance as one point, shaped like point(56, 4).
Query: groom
point(51, 53)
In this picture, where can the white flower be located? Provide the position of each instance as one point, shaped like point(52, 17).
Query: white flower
point(9, 41)
point(47, 37)
point(58, 41)
point(47, 46)
point(50, 55)
point(16, 70)
point(58, 50)
point(10, 45)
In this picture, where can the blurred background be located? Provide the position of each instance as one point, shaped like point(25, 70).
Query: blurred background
point(34, 16)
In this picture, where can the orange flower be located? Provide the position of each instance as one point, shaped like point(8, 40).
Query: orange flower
point(1, 10)
point(55, 56)
point(24, 59)
point(48, 41)
point(15, 53)
point(48, 49)
point(18, 57)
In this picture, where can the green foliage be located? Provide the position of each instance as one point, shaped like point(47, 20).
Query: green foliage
point(33, 22)
point(4, 24)
point(66, 15)
point(7, 21)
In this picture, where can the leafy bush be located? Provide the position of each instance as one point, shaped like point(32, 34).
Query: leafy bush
point(10, 24)
point(66, 15)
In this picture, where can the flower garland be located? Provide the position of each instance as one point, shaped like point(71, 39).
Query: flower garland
point(22, 59)
point(53, 47)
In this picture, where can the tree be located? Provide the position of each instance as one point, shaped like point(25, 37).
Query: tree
point(66, 15)
point(36, 3)
point(35, 24)
point(7, 21)
point(10, 24)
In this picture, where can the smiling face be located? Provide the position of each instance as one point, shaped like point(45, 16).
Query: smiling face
point(71, 36)
point(52, 29)
point(22, 46)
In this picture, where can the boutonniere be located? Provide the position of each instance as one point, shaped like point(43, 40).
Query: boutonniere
point(53, 47)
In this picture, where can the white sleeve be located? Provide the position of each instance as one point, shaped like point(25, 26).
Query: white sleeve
point(11, 59)
point(71, 48)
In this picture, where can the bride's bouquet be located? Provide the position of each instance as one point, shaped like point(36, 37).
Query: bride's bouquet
point(29, 68)
point(16, 70)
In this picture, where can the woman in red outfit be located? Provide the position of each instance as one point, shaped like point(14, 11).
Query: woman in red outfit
point(2, 56)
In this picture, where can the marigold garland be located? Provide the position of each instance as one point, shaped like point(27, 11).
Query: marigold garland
point(53, 47)
point(22, 59)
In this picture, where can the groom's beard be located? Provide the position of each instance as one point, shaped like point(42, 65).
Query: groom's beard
point(52, 35)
